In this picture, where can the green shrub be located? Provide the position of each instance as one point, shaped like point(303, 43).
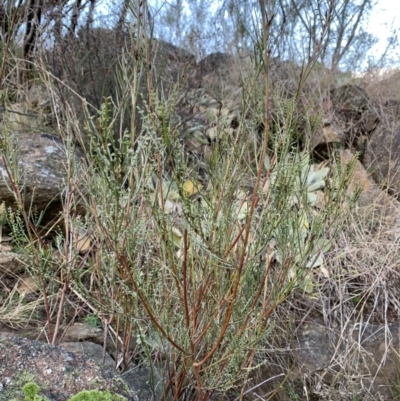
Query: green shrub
point(31, 392)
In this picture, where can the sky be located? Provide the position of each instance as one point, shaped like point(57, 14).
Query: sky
point(384, 17)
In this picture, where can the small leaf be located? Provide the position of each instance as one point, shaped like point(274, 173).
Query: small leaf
point(316, 262)
point(2, 210)
point(324, 244)
point(243, 210)
point(173, 195)
point(168, 206)
point(3, 218)
point(308, 285)
point(303, 220)
point(292, 273)
point(312, 198)
point(324, 271)
point(315, 179)
point(317, 199)
point(81, 241)
point(191, 187)
point(177, 237)
point(267, 162)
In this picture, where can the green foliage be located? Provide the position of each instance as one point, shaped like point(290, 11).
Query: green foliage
point(31, 391)
point(95, 395)
point(92, 320)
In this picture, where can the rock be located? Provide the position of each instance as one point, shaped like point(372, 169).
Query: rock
point(360, 181)
point(35, 111)
point(89, 350)
point(147, 382)
point(361, 350)
point(10, 264)
point(216, 63)
point(204, 120)
point(172, 66)
point(329, 133)
point(140, 378)
point(354, 114)
point(382, 157)
point(220, 77)
point(27, 285)
point(373, 201)
point(350, 98)
point(59, 373)
point(42, 173)
point(90, 63)
point(83, 332)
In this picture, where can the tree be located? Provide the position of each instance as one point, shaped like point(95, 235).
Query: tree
point(294, 32)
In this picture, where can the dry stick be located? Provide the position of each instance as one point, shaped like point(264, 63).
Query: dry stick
point(187, 315)
point(197, 308)
point(165, 229)
point(235, 241)
point(122, 260)
point(66, 283)
point(302, 79)
point(117, 342)
point(234, 290)
point(237, 276)
point(184, 273)
point(256, 298)
point(4, 58)
point(217, 312)
point(202, 291)
point(254, 202)
point(255, 198)
point(250, 358)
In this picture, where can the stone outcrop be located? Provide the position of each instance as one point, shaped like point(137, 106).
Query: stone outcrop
point(382, 157)
point(354, 114)
point(42, 173)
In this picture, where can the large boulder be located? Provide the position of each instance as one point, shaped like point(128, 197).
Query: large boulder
point(41, 164)
point(382, 157)
point(219, 75)
point(98, 63)
point(376, 205)
point(355, 115)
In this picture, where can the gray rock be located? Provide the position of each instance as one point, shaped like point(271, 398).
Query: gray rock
point(355, 114)
point(41, 162)
point(59, 373)
point(382, 157)
point(90, 350)
point(363, 351)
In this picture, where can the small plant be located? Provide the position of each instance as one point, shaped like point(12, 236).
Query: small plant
point(307, 204)
point(31, 391)
point(95, 395)
point(93, 320)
